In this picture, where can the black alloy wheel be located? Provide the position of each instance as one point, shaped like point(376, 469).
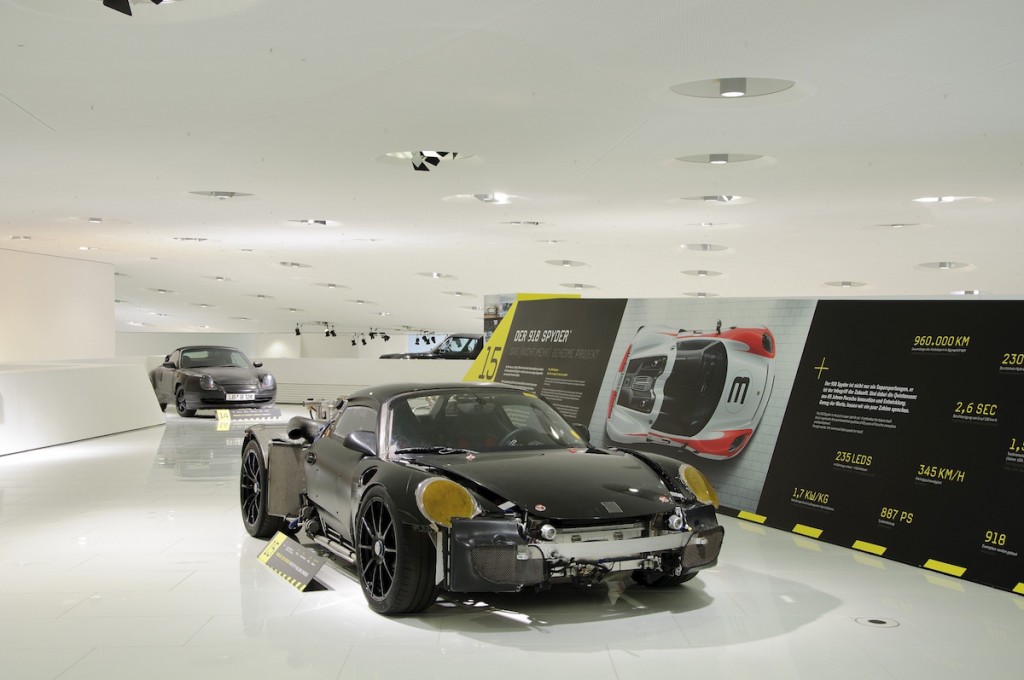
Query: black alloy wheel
point(253, 494)
point(395, 562)
point(179, 404)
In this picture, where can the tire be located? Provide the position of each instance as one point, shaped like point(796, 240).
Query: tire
point(179, 404)
point(395, 563)
point(163, 407)
point(253, 494)
point(656, 579)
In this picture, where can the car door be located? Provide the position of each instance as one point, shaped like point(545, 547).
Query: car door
point(164, 386)
point(331, 467)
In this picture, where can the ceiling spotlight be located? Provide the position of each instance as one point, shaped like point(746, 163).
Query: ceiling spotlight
point(327, 334)
point(496, 197)
point(363, 340)
point(298, 331)
point(333, 334)
point(353, 342)
point(425, 160)
point(432, 339)
point(385, 336)
point(417, 341)
point(732, 87)
point(718, 158)
point(373, 335)
point(426, 341)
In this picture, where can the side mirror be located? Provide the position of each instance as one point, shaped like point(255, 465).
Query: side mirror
point(306, 429)
point(582, 430)
point(257, 364)
point(169, 364)
point(363, 441)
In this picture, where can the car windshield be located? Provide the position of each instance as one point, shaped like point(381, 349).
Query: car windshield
point(477, 420)
point(206, 357)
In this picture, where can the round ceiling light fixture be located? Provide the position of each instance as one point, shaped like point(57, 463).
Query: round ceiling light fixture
point(944, 265)
point(704, 247)
point(732, 88)
point(719, 158)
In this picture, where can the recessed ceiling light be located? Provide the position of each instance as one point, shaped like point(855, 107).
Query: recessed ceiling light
point(435, 275)
point(496, 197)
point(894, 225)
point(577, 286)
point(331, 286)
point(702, 273)
point(21, 238)
point(161, 291)
point(566, 263)
point(715, 199)
point(704, 247)
point(315, 223)
point(295, 265)
point(950, 199)
point(943, 265)
point(457, 293)
point(261, 296)
point(363, 302)
point(204, 326)
point(845, 284)
point(241, 318)
point(189, 239)
point(95, 220)
point(732, 88)
point(550, 241)
point(966, 292)
point(204, 305)
point(700, 294)
point(137, 323)
point(220, 195)
point(383, 313)
point(492, 198)
point(719, 158)
point(87, 248)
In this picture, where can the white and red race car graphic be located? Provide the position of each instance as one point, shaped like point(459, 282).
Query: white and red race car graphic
point(701, 392)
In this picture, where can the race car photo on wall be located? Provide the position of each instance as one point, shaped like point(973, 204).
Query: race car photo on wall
point(704, 393)
point(474, 488)
point(211, 377)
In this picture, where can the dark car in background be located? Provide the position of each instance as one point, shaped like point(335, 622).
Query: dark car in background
point(474, 487)
point(211, 377)
point(457, 346)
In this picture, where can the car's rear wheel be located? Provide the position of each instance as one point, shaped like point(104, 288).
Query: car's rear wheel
point(253, 494)
point(657, 579)
point(181, 406)
point(395, 563)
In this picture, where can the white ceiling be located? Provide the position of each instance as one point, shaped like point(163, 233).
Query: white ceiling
point(565, 103)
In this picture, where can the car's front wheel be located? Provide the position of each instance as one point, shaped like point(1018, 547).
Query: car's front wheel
point(395, 562)
point(181, 406)
point(253, 494)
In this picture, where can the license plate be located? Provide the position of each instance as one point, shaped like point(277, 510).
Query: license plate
point(241, 397)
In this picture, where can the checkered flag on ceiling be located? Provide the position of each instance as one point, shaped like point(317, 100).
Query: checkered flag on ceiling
point(425, 160)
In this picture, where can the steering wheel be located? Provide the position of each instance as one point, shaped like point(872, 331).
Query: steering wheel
point(524, 436)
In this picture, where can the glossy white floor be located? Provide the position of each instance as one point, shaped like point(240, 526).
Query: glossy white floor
point(124, 557)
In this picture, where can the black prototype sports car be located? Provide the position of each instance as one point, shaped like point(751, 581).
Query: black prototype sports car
point(211, 377)
point(471, 488)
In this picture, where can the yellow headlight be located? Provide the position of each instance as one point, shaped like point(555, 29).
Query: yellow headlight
point(441, 499)
point(699, 484)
